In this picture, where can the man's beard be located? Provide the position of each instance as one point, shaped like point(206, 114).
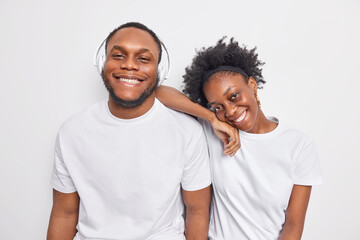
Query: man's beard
point(132, 103)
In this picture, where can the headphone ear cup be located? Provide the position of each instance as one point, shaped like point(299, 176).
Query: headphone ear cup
point(100, 64)
point(100, 57)
point(161, 72)
point(164, 68)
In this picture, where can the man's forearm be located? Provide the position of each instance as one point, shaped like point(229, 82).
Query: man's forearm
point(197, 225)
point(62, 227)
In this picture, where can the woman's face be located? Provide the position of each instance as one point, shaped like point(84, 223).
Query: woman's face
point(233, 100)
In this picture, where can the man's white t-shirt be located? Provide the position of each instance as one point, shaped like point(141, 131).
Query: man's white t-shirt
point(252, 188)
point(129, 173)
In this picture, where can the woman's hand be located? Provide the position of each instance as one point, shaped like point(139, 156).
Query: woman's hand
point(224, 131)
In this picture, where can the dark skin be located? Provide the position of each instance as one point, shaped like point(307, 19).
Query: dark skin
point(64, 216)
point(229, 96)
point(197, 213)
point(132, 54)
point(295, 213)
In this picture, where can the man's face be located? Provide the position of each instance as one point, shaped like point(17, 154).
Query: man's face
point(130, 70)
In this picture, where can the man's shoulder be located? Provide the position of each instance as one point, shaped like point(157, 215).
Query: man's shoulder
point(82, 118)
point(180, 118)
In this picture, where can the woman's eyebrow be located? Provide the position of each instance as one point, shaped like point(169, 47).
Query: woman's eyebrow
point(227, 90)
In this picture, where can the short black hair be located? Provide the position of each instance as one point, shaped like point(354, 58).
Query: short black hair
point(222, 54)
point(139, 26)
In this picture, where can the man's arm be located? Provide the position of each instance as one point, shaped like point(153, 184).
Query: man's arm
point(64, 216)
point(295, 213)
point(197, 213)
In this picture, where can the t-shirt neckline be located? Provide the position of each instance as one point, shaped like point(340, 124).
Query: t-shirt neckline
point(270, 134)
point(131, 121)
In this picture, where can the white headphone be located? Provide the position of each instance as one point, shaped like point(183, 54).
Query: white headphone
point(163, 67)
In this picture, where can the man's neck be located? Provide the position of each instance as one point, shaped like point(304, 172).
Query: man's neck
point(129, 113)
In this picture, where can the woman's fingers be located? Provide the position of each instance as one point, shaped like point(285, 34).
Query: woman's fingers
point(225, 132)
point(233, 146)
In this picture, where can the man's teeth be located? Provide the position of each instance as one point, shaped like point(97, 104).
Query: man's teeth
point(132, 81)
point(242, 116)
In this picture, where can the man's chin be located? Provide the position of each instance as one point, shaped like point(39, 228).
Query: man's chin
point(129, 103)
point(126, 103)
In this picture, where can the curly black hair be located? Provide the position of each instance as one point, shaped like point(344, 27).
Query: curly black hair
point(222, 54)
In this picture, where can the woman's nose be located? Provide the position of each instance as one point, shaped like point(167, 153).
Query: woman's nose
point(230, 110)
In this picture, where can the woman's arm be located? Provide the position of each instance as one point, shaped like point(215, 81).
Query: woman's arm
point(174, 99)
point(295, 213)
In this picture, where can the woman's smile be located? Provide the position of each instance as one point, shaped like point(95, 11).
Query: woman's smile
point(239, 119)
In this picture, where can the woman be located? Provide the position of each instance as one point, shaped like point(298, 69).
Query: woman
point(262, 191)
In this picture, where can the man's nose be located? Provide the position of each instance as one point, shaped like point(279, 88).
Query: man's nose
point(129, 64)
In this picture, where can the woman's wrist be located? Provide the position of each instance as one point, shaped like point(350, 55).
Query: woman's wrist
point(211, 117)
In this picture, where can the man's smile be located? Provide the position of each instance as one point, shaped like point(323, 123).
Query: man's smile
point(129, 79)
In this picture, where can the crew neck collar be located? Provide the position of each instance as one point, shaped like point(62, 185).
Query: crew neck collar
point(130, 121)
point(270, 134)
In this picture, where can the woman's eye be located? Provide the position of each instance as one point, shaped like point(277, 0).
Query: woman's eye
point(217, 108)
point(234, 96)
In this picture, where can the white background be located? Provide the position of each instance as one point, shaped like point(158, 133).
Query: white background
point(311, 50)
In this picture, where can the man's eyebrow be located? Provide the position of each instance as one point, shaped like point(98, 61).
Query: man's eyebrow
point(118, 48)
point(144, 50)
point(140, 50)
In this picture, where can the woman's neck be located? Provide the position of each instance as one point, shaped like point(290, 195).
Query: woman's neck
point(262, 124)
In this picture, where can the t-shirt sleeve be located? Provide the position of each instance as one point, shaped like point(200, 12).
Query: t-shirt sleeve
point(307, 169)
point(61, 179)
point(196, 174)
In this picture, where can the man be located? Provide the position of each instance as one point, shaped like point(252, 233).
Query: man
point(124, 167)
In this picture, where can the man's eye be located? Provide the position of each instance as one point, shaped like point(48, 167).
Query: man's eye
point(143, 59)
point(118, 56)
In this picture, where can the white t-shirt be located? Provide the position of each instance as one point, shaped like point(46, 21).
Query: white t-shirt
point(252, 188)
point(129, 173)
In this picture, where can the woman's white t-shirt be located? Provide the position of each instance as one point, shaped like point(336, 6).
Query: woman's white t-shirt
point(252, 188)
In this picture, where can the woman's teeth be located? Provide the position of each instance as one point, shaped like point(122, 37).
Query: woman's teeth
point(242, 116)
point(132, 81)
